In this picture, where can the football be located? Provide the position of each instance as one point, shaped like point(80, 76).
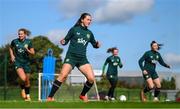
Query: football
point(122, 98)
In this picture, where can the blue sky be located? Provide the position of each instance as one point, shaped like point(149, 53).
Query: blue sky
point(129, 25)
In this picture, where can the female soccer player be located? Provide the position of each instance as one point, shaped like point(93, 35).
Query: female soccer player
point(20, 49)
point(147, 64)
point(113, 62)
point(79, 36)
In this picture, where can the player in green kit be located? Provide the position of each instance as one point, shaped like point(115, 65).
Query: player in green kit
point(79, 36)
point(113, 62)
point(147, 64)
point(20, 49)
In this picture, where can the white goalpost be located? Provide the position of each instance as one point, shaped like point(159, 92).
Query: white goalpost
point(69, 90)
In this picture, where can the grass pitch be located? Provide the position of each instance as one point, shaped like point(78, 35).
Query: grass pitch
point(72, 105)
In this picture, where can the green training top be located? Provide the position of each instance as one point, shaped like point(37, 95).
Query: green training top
point(79, 38)
point(113, 62)
point(20, 53)
point(150, 59)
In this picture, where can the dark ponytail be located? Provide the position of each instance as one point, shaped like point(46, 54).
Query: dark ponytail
point(26, 31)
point(111, 50)
point(159, 45)
point(83, 15)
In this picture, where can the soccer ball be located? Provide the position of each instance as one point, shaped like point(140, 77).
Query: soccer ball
point(122, 98)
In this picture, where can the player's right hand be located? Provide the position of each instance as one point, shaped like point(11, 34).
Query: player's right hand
point(98, 44)
point(12, 59)
point(168, 66)
point(145, 72)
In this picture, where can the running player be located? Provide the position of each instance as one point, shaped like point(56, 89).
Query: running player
point(79, 36)
point(20, 49)
point(112, 73)
point(147, 64)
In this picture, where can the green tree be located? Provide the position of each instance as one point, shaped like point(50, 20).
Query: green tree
point(166, 84)
point(4, 50)
point(41, 45)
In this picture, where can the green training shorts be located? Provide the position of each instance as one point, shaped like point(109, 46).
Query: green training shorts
point(75, 61)
point(25, 66)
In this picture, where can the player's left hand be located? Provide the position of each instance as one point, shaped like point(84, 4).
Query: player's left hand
point(30, 51)
point(168, 66)
point(98, 44)
point(62, 42)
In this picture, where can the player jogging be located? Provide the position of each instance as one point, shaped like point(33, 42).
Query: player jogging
point(20, 49)
point(113, 62)
point(79, 36)
point(147, 64)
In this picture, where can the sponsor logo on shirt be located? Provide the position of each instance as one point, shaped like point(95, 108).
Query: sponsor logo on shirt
point(20, 50)
point(154, 61)
point(115, 63)
point(82, 41)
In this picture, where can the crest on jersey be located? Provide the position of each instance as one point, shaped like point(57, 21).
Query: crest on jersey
point(151, 57)
point(117, 60)
point(157, 57)
point(88, 36)
point(26, 45)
